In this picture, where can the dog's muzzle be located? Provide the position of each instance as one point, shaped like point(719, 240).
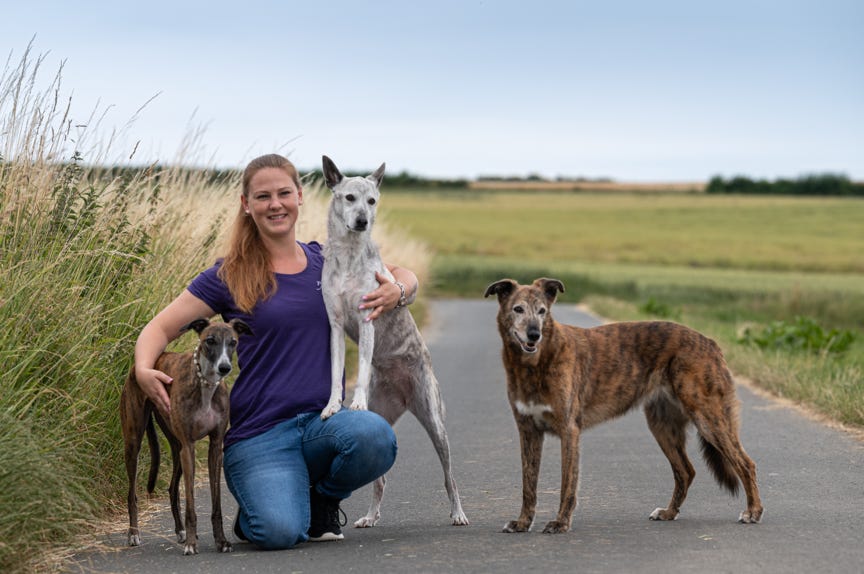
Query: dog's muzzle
point(529, 346)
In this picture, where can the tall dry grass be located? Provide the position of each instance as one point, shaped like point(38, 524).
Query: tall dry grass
point(87, 257)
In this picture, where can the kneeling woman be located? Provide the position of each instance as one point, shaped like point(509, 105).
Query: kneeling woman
point(286, 467)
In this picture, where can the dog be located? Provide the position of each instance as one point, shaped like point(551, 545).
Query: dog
point(398, 375)
point(563, 379)
point(199, 408)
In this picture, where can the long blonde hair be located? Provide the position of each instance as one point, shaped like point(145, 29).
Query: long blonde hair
point(246, 269)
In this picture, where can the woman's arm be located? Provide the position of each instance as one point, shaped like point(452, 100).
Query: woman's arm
point(154, 338)
point(386, 297)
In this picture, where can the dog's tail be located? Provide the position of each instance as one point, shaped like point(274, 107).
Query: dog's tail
point(719, 466)
point(153, 441)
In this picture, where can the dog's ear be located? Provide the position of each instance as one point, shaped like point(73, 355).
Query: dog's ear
point(197, 325)
point(502, 288)
point(551, 288)
point(240, 326)
point(377, 176)
point(332, 175)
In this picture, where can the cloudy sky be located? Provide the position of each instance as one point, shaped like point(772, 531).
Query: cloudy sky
point(634, 90)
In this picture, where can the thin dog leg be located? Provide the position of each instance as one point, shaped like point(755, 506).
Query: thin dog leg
point(214, 463)
point(569, 481)
point(366, 348)
point(337, 367)
point(133, 433)
point(187, 458)
point(430, 416)
point(531, 441)
point(669, 426)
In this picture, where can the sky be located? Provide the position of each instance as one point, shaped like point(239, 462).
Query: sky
point(631, 90)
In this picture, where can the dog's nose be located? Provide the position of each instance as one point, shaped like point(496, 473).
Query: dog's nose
point(224, 369)
point(360, 223)
point(533, 334)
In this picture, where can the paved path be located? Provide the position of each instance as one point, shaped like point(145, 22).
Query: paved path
point(811, 478)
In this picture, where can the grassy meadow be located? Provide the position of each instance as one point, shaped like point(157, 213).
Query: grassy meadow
point(87, 257)
point(722, 264)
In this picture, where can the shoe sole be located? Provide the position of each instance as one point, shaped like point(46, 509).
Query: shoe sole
point(327, 537)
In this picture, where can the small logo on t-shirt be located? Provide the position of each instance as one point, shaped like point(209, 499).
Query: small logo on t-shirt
point(318, 286)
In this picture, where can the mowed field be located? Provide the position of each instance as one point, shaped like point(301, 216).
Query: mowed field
point(718, 263)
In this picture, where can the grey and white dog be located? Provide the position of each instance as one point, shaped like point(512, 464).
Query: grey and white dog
point(398, 375)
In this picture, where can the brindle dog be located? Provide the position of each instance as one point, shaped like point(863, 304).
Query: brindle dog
point(563, 379)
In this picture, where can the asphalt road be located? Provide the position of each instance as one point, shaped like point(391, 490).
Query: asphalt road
point(811, 479)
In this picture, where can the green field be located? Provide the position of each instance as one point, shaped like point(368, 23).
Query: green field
point(717, 263)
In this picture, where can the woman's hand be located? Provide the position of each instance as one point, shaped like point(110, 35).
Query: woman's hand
point(151, 382)
point(384, 298)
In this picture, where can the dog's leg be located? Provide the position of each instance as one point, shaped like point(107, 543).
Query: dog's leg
point(337, 364)
point(730, 460)
point(668, 424)
point(134, 414)
point(187, 461)
point(569, 480)
point(174, 485)
point(390, 407)
point(366, 347)
point(214, 465)
point(531, 442)
point(428, 410)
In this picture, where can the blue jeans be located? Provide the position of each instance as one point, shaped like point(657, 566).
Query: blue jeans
point(270, 474)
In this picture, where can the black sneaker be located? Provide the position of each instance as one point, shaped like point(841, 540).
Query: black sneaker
point(326, 521)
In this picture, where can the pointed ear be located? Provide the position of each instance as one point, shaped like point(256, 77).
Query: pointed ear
point(502, 288)
point(551, 288)
point(377, 176)
point(197, 325)
point(240, 327)
point(332, 175)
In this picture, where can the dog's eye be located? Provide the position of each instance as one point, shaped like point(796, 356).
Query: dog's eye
point(210, 340)
point(350, 197)
point(371, 201)
point(541, 311)
point(519, 309)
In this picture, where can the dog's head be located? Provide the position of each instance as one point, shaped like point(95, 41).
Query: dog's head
point(524, 310)
point(217, 345)
point(355, 199)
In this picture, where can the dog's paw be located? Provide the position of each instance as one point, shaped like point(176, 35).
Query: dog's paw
point(556, 527)
point(134, 539)
point(459, 519)
point(367, 521)
point(517, 526)
point(751, 516)
point(359, 406)
point(224, 546)
point(663, 514)
point(190, 549)
point(330, 410)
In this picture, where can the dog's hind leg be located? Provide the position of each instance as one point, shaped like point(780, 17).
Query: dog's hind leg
point(429, 410)
point(725, 456)
point(134, 417)
point(668, 424)
point(390, 407)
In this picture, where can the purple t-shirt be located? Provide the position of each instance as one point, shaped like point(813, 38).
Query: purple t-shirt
point(285, 364)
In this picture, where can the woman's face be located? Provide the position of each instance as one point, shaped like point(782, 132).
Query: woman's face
point(273, 202)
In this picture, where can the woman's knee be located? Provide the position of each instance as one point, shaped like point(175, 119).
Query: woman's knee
point(273, 531)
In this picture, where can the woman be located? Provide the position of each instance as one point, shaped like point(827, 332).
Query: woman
point(286, 467)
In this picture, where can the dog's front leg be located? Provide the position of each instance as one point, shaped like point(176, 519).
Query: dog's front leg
point(214, 465)
point(365, 348)
point(569, 481)
point(337, 368)
point(531, 442)
point(187, 460)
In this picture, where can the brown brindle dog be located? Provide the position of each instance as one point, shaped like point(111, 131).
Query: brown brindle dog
point(563, 379)
point(199, 408)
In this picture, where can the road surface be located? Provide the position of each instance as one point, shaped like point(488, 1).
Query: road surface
point(811, 479)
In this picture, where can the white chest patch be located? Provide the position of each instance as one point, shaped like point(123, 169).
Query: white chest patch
point(533, 410)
